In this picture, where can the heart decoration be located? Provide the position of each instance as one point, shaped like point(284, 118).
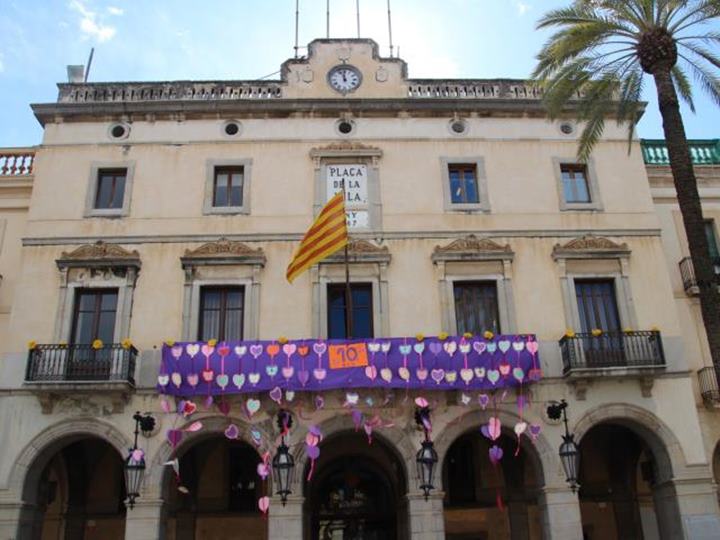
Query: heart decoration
point(176, 378)
point(532, 347)
point(371, 372)
point(207, 375)
point(289, 395)
point(419, 348)
point(504, 368)
point(519, 374)
point(494, 428)
point(303, 350)
point(464, 347)
point(450, 347)
point(451, 377)
point(422, 374)
point(288, 372)
point(239, 380)
point(534, 431)
point(518, 346)
point(479, 346)
point(254, 378)
point(272, 349)
point(192, 379)
point(263, 470)
point(256, 350)
point(207, 350)
point(435, 347)
point(271, 370)
point(222, 380)
point(535, 374)
point(189, 409)
point(404, 373)
point(483, 401)
point(480, 373)
point(163, 379)
point(386, 374)
point(504, 346)
point(373, 347)
point(467, 375)
point(176, 351)
point(319, 374)
point(520, 428)
point(208, 401)
point(256, 437)
point(493, 375)
point(385, 346)
point(496, 454)
point(224, 407)
point(465, 399)
point(192, 349)
point(437, 375)
point(195, 426)
point(240, 350)
point(264, 504)
point(289, 349)
point(351, 399)
point(223, 350)
point(165, 406)
point(405, 349)
point(276, 395)
point(252, 405)
point(319, 348)
point(491, 347)
point(303, 376)
point(232, 432)
point(174, 436)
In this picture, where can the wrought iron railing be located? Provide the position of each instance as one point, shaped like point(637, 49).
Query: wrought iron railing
point(70, 363)
point(708, 381)
point(702, 151)
point(687, 272)
point(612, 349)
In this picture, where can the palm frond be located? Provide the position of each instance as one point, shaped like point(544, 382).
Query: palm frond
point(682, 83)
point(707, 80)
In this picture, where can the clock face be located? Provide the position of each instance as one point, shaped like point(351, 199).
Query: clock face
point(344, 78)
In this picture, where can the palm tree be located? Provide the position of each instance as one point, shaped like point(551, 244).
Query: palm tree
point(596, 63)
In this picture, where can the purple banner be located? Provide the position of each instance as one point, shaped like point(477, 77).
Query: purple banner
point(199, 368)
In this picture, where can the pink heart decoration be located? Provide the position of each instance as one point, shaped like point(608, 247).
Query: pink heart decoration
point(176, 378)
point(504, 368)
point(479, 346)
point(192, 379)
point(421, 402)
point(192, 349)
point(264, 504)
point(319, 373)
point(386, 374)
point(288, 372)
point(532, 347)
point(256, 350)
point(422, 374)
point(163, 379)
point(371, 372)
point(174, 436)
point(493, 375)
point(232, 432)
point(195, 426)
point(223, 350)
point(263, 470)
point(176, 351)
point(467, 375)
point(207, 375)
point(404, 373)
point(494, 428)
point(319, 348)
point(276, 395)
point(138, 454)
point(303, 376)
point(437, 375)
point(207, 350)
point(165, 406)
point(450, 347)
point(289, 349)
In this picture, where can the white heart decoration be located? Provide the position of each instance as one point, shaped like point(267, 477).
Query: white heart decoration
point(240, 350)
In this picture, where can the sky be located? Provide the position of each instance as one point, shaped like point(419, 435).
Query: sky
point(157, 40)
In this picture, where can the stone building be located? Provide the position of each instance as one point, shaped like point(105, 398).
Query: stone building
point(169, 211)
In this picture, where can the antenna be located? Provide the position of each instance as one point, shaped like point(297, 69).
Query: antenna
point(327, 18)
point(297, 17)
point(87, 71)
point(390, 28)
point(357, 10)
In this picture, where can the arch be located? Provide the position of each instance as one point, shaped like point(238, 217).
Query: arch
point(34, 456)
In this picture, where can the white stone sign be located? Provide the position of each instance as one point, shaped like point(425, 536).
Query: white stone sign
point(355, 179)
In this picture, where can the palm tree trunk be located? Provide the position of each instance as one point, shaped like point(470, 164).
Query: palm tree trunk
point(691, 210)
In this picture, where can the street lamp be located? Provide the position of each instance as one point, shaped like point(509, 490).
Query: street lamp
point(135, 462)
point(283, 464)
point(569, 451)
point(427, 457)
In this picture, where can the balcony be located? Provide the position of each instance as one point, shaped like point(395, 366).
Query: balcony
point(55, 372)
point(16, 162)
point(612, 354)
point(708, 381)
point(688, 275)
point(702, 152)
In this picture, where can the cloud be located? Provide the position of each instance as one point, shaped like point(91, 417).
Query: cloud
point(522, 7)
point(90, 24)
point(112, 10)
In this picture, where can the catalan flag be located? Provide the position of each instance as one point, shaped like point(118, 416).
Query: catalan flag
point(327, 235)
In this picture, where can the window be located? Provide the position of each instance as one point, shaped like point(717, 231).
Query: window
point(575, 184)
point(221, 313)
point(476, 307)
point(712, 239)
point(463, 184)
point(94, 316)
point(110, 192)
point(362, 310)
point(597, 305)
point(228, 186)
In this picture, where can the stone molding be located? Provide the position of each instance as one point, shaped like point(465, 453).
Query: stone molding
point(361, 251)
point(99, 254)
point(223, 251)
point(345, 149)
point(590, 246)
point(472, 248)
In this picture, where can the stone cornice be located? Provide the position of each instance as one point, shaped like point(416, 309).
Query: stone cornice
point(590, 246)
point(223, 252)
point(344, 149)
point(99, 254)
point(361, 251)
point(472, 248)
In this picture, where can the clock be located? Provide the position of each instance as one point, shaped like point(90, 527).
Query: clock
point(344, 78)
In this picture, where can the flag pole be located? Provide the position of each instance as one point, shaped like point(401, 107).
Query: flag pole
point(348, 292)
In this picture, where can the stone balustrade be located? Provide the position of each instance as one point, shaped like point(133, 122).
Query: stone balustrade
point(16, 161)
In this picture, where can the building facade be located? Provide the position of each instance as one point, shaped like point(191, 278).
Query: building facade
point(158, 212)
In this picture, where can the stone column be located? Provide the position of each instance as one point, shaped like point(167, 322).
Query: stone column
point(560, 511)
point(286, 522)
point(687, 508)
point(426, 518)
point(145, 520)
point(20, 521)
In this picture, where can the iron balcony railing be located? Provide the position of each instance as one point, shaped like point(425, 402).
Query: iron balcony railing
point(708, 381)
point(702, 151)
point(611, 350)
point(687, 272)
point(70, 363)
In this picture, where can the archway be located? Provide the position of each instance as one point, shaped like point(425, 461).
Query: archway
point(486, 502)
point(223, 488)
point(77, 491)
point(716, 469)
point(356, 491)
point(619, 477)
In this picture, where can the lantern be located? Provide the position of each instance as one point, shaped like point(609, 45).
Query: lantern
point(283, 466)
point(569, 451)
point(426, 459)
point(135, 462)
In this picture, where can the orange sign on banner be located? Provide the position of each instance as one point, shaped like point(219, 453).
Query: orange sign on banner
point(347, 356)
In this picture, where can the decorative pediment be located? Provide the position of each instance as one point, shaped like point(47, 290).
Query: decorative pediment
point(360, 251)
point(590, 246)
point(472, 248)
point(345, 149)
point(99, 254)
point(223, 251)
